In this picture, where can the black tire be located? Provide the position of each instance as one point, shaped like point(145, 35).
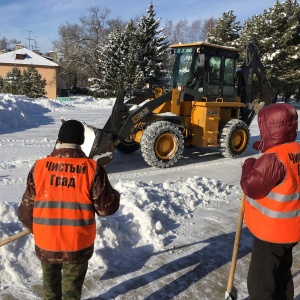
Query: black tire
point(128, 146)
point(162, 144)
point(234, 138)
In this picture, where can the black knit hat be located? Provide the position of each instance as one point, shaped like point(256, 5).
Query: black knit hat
point(71, 132)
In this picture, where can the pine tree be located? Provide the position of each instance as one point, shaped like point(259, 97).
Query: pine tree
point(12, 82)
point(253, 30)
point(118, 61)
point(276, 33)
point(131, 57)
point(226, 30)
point(33, 86)
point(153, 48)
point(283, 48)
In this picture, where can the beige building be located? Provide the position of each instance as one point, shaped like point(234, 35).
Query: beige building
point(22, 58)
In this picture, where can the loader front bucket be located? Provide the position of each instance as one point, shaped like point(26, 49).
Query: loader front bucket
point(98, 145)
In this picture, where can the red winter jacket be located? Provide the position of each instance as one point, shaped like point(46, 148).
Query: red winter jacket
point(278, 124)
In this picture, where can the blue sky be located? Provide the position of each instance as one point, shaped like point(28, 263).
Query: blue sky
point(37, 21)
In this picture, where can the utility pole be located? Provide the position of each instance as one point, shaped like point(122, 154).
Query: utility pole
point(35, 44)
point(29, 39)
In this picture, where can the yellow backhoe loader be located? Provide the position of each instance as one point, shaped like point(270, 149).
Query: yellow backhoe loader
point(211, 103)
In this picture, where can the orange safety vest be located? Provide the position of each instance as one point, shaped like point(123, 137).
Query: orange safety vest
point(63, 213)
point(276, 217)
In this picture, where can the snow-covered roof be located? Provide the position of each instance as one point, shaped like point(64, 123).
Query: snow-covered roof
point(26, 57)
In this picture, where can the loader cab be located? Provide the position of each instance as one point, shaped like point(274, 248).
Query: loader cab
point(208, 70)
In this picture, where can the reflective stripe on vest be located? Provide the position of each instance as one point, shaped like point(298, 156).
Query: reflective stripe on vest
point(272, 213)
point(64, 205)
point(276, 217)
point(63, 214)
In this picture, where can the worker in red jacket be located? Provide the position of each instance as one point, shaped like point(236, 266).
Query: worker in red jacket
point(272, 208)
point(63, 193)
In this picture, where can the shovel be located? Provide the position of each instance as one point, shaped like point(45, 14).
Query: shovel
point(14, 237)
point(231, 293)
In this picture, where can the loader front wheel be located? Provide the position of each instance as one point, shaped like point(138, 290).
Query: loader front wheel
point(234, 138)
point(162, 144)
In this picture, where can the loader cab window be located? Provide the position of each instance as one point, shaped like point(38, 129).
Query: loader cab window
point(182, 66)
point(214, 68)
point(214, 75)
point(196, 76)
point(229, 77)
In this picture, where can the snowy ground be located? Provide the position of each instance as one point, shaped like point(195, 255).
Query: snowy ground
point(173, 235)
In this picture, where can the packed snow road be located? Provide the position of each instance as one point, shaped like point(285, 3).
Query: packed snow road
point(41, 132)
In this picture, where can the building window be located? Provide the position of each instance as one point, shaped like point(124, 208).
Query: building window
point(20, 56)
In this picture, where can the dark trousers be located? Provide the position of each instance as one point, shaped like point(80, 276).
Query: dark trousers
point(269, 276)
point(63, 281)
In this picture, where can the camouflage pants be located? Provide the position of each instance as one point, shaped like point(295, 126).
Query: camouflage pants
point(63, 281)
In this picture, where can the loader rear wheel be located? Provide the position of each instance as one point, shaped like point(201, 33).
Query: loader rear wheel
point(234, 138)
point(162, 144)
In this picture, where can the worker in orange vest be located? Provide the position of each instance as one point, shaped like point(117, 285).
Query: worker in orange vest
point(64, 191)
point(272, 187)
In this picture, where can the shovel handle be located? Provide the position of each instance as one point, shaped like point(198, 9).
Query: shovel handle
point(236, 243)
point(14, 237)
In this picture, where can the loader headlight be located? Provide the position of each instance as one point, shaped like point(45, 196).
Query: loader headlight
point(180, 88)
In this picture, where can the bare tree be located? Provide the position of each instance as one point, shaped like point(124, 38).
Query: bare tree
point(168, 31)
point(80, 43)
point(8, 44)
point(183, 32)
point(195, 32)
point(180, 30)
point(208, 24)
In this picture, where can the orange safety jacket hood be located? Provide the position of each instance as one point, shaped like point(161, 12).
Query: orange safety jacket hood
point(276, 217)
point(63, 213)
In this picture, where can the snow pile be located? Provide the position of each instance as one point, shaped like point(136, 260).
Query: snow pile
point(20, 112)
point(86, 102)
point(15, 112)
point(148, 215)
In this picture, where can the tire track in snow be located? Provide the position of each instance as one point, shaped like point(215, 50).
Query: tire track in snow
point(179, 169)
